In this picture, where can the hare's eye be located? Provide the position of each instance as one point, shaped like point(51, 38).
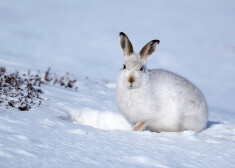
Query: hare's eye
point(124, 66)
point(142, 68)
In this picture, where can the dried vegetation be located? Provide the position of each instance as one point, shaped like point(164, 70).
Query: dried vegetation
point(22, 91)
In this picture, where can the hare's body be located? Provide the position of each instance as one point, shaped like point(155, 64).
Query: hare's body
point(166, 102)
point(157, 100)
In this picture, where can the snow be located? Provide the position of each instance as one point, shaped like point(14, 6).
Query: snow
point(84, 128)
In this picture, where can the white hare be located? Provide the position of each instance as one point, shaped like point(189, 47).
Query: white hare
point(157, 100)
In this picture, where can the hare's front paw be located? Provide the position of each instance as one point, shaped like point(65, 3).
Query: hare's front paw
point(140, 126)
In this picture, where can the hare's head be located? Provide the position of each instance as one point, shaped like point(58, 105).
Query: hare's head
point(134, 72)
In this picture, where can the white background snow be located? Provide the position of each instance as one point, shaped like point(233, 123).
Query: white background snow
point(83, 128)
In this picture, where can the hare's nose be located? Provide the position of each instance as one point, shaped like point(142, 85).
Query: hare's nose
point(131, 79)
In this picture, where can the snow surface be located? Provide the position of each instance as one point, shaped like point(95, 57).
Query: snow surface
point(83, 128)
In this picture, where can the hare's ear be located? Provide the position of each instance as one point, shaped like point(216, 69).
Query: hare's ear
point(126, 45)
point(148, 49)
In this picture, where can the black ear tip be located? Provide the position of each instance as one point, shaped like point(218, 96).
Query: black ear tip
point(122, 34)
point(156, 41)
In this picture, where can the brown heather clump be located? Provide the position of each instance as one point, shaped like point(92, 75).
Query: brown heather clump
point(22, 91)
point(63, 81)
point(19, 91)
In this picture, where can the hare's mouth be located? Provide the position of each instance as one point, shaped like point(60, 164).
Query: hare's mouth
point(130, 87)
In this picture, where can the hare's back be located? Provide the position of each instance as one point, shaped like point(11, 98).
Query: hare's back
point(172, 83)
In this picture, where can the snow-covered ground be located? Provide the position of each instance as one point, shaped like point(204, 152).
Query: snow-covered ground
point(83, 128)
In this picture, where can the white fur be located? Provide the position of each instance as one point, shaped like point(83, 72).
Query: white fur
point(163, 100)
